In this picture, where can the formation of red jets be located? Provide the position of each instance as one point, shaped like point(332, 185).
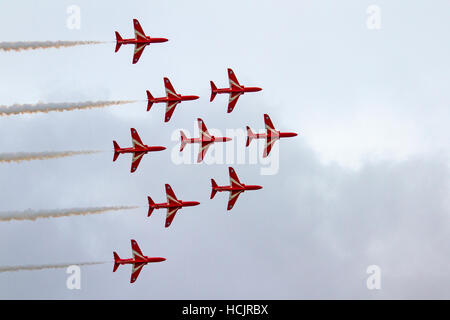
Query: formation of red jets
point(139, 149)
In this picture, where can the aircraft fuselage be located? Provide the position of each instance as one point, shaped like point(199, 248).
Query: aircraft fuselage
point(202, 140)
point(243, 89)
point(145, 149)
point(275, 136)
point(145, 260)
point(139, 41)
point(243, 188)
point(171, 99)
point(175, 205)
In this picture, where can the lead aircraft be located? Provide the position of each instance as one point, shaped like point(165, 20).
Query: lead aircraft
point(271, 135)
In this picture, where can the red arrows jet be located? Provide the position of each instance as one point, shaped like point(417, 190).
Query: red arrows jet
point(172, 205)
point(235, 188)
point(171, 99)
point(271, 135)
point(138, 150)
point(205, 140)
point(235, 90)
point(140, 41)
point(138, 261)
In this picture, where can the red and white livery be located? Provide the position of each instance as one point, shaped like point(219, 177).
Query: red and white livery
point(140, 41)
point(172, 205)
point(235, 90)
point(271, 135)
point(138, 150)
point(205, 140)
point(171, 99)
point(235, 188)
point(138, 261)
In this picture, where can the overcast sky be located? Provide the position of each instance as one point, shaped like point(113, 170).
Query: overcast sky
point(366, 182)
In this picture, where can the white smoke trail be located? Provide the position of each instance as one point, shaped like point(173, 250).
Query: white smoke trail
point(33, 45)
point(60, 106)
point(48, 266)
point(37, 214)
point(27, 156)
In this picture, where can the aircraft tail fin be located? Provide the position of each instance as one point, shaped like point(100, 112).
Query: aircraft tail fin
point(116, 259)
point(213, 188)
point(149, 100)
point(116, 150)
point(183, 140)
point(150, 206)
point(250, 136)
point(118, 41)
point(213, 91)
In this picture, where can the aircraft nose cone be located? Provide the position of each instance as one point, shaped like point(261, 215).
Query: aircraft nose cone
point(196, 203)
point(195, 97)
point(165, 40)
point(258, 187)
point(258, 89)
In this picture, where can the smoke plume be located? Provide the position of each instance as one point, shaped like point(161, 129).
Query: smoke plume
point(33, 45)
point(38, 214)
point(48, 266)
point(27, 156)
point(60, 106)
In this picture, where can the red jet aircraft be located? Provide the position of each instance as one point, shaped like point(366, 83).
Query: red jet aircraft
point(271, 135)
point(205, 140)
point(235, 90)
point(138, 261)
point(172, 205)
point(171, 99)
point(140, 41)
point(138, 150)
point(235, 188)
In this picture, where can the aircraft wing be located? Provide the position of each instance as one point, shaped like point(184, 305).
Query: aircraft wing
point(202, 151)
point(271, 137)
point(138, 31)
point(138, 49)
point(233, 100)
point(136, 251)
point(136, 269)
point(234, 195)
point(170, 91)
point(269, 125)
point(137, 157)
point(204, 134)
point(234, 180)
point(171, 197)
point(171, 215)
point(270, 140)
point(234, 83)
point(135, 139)
point(170, 108)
